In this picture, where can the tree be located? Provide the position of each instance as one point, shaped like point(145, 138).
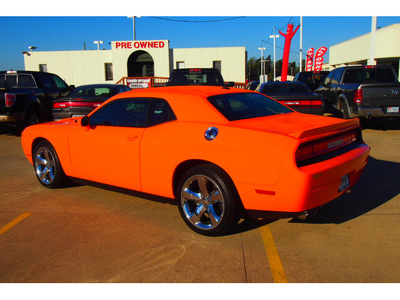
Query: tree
point(254, 67)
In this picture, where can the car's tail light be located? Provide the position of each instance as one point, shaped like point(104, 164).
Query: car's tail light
point(10, 99)
point(318, 147)
point(60, 105)
point(358, 96)
point(302, 102)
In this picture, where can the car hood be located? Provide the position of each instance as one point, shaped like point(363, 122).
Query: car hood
point(296, 124)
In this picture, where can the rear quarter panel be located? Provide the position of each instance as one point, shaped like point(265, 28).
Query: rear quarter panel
point(248, 156)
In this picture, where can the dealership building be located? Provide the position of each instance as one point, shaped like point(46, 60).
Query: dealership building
point(385, 50)
point(147, 59)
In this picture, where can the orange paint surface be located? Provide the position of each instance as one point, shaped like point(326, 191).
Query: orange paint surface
point(258, 154)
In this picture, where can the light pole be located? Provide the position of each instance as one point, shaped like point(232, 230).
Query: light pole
point(274, 37)
point(134, 26)
point(262, 78)
point(98, 44)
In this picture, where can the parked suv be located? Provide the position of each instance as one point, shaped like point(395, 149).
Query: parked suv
point(26, 97)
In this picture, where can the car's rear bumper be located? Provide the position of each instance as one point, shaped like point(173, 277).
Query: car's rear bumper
point(12, 118)
point(376, 112)
point(305, 188)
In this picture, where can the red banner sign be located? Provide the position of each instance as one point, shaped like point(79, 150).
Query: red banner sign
point(139, 44)
point(310, 59)
point(319, 60)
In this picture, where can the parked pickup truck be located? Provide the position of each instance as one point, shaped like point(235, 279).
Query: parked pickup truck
point(197, 76)
point(26, 97)
point(362, 91)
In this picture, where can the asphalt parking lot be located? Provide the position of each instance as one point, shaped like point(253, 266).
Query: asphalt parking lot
point(84, 234)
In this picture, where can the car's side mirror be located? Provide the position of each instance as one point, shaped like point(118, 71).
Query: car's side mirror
point(85, 121)
point(230, 84)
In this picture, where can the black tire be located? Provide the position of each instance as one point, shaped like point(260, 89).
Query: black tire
point(47, 166)
point(344, 110)
point(207, 200)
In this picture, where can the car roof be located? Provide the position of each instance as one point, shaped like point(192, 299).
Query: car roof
point(189, 103)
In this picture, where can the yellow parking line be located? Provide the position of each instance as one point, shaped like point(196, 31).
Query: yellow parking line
point(14, 222)
point(275, 263)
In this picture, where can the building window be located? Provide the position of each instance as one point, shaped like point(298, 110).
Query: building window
point(180, 64)
point(217, 65)
point(42, 67)
point(109, 71)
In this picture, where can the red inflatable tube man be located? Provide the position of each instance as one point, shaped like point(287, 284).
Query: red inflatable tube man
point(288, 40)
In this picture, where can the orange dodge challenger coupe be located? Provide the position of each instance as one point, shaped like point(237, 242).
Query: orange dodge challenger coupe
point(216, 150)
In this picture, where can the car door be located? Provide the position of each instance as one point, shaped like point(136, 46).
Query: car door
point(107, 149)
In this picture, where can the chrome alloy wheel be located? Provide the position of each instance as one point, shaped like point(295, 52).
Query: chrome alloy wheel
point(45, 165)
point(202, 202)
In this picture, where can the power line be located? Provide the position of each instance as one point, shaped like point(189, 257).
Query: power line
point(198, 21)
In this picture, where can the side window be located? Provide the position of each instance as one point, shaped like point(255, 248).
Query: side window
point(337, 76)
point(160, 112)
point(329, 77)
point(26, 81)
point(128, 112)
point(61, 85)
point(46, 81)
point(353, 76)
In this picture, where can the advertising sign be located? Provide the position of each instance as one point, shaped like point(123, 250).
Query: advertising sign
point(310, 59)
point(140, 45)
point(138, 83)
point(319, 60)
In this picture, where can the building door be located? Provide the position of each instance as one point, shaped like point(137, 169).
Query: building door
point(140, 64)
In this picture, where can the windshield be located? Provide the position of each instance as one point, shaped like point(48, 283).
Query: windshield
point(246, 106)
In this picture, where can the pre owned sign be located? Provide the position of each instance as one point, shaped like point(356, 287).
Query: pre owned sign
point(140, 44)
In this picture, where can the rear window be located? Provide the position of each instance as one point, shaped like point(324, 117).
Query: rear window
point(246, 106)
point(285, 88)
point(196, 77)
point(17, 80)
point(369, 76)
point(92, 91)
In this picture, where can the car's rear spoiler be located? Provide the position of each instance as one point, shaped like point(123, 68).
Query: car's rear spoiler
point(342, 126)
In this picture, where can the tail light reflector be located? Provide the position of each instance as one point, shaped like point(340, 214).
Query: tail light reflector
point(76, 104)
point(358, 96)
point(10, 99)
point(302, 104)
point(325, 145)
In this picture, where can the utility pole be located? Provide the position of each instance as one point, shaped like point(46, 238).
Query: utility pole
point(274, 37)
point(262, 77)
point(371, 60)
point(301, 44)
point(134, 26)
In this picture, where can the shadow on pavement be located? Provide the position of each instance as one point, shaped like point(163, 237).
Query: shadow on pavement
point(378, 185)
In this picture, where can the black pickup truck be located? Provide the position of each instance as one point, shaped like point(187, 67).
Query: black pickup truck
point(362, 91)
point(197, 76)
point(26, 97)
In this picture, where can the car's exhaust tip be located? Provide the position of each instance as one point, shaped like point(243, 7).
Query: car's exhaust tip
point(306, 214)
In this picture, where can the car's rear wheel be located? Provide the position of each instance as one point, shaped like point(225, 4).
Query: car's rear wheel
point(208, 200)
point(47, 166)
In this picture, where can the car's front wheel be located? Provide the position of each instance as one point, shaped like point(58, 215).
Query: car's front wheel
point(208, 200)
point(47, 166)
